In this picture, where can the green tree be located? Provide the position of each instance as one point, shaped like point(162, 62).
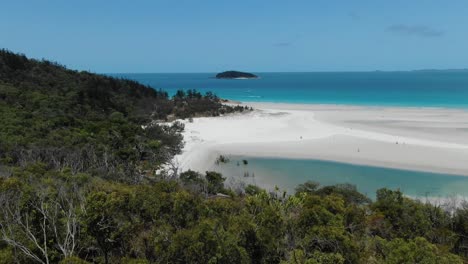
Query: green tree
point(215, 182)
point(417, 250)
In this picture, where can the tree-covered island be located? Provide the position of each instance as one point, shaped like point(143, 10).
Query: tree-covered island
point(235, 75)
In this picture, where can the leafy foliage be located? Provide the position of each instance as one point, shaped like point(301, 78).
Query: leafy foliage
point(171, 222)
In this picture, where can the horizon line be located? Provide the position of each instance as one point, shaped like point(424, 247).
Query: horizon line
point(350, 71)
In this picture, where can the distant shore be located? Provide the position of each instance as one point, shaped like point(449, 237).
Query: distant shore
point(425, 139)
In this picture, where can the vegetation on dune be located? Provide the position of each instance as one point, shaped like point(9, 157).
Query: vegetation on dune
point(78, 184)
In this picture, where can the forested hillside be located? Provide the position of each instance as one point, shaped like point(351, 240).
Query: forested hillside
point(80, 155)
point(88, 122)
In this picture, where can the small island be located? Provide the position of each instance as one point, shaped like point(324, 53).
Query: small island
point(235, 75)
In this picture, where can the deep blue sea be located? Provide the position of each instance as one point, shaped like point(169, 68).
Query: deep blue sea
point(417, 88)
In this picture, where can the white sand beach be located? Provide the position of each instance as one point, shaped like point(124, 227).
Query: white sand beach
point(427, 139)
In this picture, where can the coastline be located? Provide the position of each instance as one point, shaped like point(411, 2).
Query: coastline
point(421, 139)
point(308, 105)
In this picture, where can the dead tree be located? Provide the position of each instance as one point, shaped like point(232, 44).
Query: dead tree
point(45, 222)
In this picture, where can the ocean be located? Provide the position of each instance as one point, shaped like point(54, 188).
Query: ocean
point(413, 89)
point(448, 89)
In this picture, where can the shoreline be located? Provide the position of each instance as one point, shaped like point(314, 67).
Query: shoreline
point(348, 162)
point(421, 139)
point(212, 152)
point(300, 105)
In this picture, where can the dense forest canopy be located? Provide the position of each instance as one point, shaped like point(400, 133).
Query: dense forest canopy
point(79, 154)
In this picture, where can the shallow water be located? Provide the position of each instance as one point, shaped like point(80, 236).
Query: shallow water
point(288, 173)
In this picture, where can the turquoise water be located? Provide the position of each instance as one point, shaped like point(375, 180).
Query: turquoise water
point(419, 88)
point(415, 89)
point(288, 173)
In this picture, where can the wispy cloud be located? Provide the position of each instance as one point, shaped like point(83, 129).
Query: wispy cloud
point(415, 30)
point(282, 44)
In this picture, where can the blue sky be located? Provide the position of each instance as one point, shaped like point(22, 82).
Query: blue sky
point(250, 35)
